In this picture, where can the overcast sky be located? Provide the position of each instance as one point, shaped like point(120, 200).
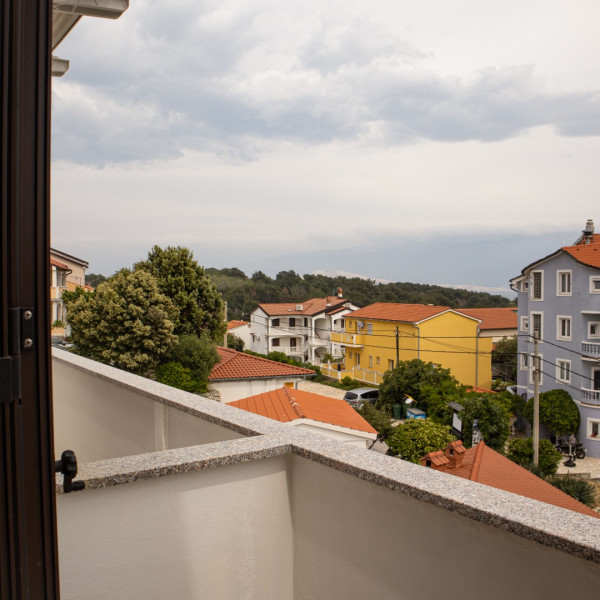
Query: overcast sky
point(250, 131)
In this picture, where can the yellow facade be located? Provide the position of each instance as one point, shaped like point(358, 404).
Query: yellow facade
point(448, 339)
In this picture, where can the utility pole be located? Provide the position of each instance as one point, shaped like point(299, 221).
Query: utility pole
point(397, 347)
point(536, 401)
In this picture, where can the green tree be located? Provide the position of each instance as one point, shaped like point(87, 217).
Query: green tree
point(126, 322)
point(493, 416)
point(520, 451)
point(94, 279)
point(198, 354)
point(426, 382)
point(183, 280)
point(235, 342)
point(504, 357)
point(377, 419)
point(558, 412)
point(417, 437)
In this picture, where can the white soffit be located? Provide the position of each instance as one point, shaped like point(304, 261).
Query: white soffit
point(59, 66)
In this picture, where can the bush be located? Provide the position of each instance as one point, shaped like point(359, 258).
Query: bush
point(520, 451)
point(557, 410)
point(417, 437)
point(198, 355)
point(377, 419)
point(58, 324)
point(577, 488)
point(178, 376)
point(493, 416)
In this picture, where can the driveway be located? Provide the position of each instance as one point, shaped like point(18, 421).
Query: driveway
point(319, 388)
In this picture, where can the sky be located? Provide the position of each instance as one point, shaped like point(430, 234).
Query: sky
point(432, 141)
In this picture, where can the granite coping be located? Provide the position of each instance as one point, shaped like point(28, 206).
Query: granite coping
point(552, 526)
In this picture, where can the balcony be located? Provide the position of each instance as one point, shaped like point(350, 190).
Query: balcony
point(592, 349)
point(189, 498)
point(351, 340)
point(590, 396)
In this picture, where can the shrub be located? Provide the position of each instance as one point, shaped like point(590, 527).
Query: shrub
point(178, 376)
point(577, 488)
point(520, 451)
point(377, 419)
point(58, 324)
point(493, 417)
point(557, 410)
point(417, 437)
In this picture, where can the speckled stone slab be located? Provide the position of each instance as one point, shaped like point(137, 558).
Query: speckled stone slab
point(552, 526)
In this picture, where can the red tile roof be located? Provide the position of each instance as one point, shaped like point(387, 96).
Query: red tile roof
point(309, 307)
point(59, 265)
point(234, 324)
point(493, 318)
point(484, 465)
point(407, 313)
point(285, 405)
point(480, 390)
point(588, 254)
point(238, 365)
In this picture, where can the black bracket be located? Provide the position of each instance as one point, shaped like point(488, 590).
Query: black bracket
point(67, 465)
point(21, 338)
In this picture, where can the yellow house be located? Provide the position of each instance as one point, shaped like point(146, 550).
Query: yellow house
point(376, 337)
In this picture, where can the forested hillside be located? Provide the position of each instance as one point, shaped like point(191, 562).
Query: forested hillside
point(243, 294)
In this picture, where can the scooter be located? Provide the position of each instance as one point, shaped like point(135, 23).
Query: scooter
point(563, 446)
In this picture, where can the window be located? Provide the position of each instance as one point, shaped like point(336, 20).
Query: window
point(524, 362)
point(563, 370)
point(537, 285)
point(378, 360)
point(537, 324)
point(563, 283)
point(563, 328)
point(524, 323)
point(357, 359)
point(596, 379)
point(532, 368)
point(275, 342)
point(524, 286)
point(390, 364)
point(305, 322)
point(594, 285)
point(593, 428)
point(594, 330)
point(369, 328)
point(350, 354)
point(275, 322)
point(292, 342)
point(370, 362)
point(292, 322)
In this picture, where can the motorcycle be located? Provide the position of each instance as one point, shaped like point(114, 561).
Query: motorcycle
point(563, 446)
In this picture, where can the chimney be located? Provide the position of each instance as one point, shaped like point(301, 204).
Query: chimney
point(340, 290)
point(588, 232)
point(454, 452)
point(435, 460)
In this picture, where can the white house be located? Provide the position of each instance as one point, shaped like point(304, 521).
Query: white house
point(240, 329)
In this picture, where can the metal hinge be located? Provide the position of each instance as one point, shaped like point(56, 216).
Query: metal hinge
point(21, 338)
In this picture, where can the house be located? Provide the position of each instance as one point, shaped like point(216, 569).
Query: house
point(239, 375)
point(496, 323)
point(559, 301)
point(240, 329)
point(376, 337)
point(484, 465)
point(66, 273)
point(328, 416)
point(300, 330)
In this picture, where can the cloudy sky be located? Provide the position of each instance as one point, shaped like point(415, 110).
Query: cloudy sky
point(435, 141)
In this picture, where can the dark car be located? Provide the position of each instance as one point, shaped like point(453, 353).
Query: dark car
point(357, 397)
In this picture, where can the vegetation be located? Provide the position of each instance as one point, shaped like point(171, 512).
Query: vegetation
point(504, 357)
point(183, 281)
point(493, 415)
point(94, 279)
point(58, 324)
point(558, 412)
point(126, 322)
point(243, 294)
point(580, 489)
point(417, 437)
point(235, 342)
point(378, 419)
point(520, 451)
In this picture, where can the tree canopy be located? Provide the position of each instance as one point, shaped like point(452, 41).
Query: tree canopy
point(493, 415)
point(520, 451)
point(417, 437)
point(558, 412)
point(126, 322)
point(183, 280)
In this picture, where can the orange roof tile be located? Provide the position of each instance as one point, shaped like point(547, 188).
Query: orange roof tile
point(484, 465)
point(588, 254)
point(493, 318)
point(238, 365)
point(59, 265)
point(309, 307)
point(233, 324)
point(285, 404)
point(407, 313)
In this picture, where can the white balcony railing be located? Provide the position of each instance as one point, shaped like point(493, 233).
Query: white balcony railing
point(592, 396)
point(592, 348)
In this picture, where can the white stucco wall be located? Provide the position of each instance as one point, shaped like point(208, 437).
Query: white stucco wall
point(341, 434)
point(238, 389)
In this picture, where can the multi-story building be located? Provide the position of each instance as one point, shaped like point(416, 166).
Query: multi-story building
point(559, 300)
point(376, 337)
point(301, 330)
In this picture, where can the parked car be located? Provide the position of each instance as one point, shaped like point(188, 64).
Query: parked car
point(357, 397)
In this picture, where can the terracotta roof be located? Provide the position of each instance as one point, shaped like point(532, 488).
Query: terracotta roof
point(59, 265)
point(285, 405)
point(588, 254)
point(484, 465)
point(234, 324)
point(309, 307)
point(480, 390)
point(238, 365)
point(407, 313)
point(493, 318)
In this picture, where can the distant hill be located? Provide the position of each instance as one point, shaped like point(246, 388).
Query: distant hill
point(243, 294)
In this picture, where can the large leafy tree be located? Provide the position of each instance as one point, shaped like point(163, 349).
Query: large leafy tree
point(184, 281)
point(126, 322)
point(493, 415)
point(417, 437)
point(431, 386)
point(557, 410)
point(504, 357)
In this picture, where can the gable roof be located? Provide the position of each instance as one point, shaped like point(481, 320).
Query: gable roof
point(234, 324)
point(406, 313)
point(309, 307)
point(238, 365)
point(493, 318)
point(285, 405)
point(484, 465)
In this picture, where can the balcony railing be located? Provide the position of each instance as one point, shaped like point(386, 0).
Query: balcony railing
point(300, 349)
point(592, 348)
point(352, 340)
point(590, 396)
